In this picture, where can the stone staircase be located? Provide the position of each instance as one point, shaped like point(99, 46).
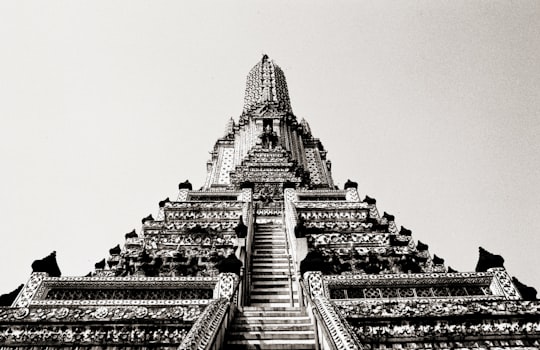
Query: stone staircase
point(259, 327)
point(270, 269)
point(274, 319)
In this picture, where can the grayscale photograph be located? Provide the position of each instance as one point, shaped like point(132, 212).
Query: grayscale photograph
point(325, 175)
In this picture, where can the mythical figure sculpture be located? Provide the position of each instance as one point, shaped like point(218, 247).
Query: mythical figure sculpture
point(269, 137)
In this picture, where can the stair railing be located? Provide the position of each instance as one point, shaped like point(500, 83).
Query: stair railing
point(332, 332)
point(289, 218)
point(246, 290)
point(290, 267)
point(311, 311)
point(208, 332)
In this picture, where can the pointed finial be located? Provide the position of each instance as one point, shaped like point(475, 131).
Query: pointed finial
point(266, 84)
point(229, 127)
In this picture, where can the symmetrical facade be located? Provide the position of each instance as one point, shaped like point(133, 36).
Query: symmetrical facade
point(269, 253)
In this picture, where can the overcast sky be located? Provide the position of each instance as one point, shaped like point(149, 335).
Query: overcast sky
point(432, 107)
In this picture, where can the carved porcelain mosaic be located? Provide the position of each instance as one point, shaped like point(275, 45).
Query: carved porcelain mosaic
point(269, 213)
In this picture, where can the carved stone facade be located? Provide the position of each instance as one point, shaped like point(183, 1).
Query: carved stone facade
point(364, 281)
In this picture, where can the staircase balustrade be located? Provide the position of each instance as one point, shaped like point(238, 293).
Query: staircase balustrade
point(331, 330)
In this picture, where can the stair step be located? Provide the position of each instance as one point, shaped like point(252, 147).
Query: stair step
point(274, 345)
point(280, 278)
point(274, 320)
point(286, 324)
point(274, 271)
point(270, 284)
point(269, 243)
point(272, 310)
point(258, 245)
point(275, 304)
point(273, 335)
point(271, 249)
point(265, 299)
point(259, 258)
point(263, 267)
point(266, 292)
point(281, 264)
point(267, 262)
point(271, 327)
point(257, 295)
point(270, 291)
point(279, 318)
point(281, 286)
point(276, 296)
point(269, 256)
point(270, 239)
point(273, 290)
point(274, 250)
point(279, 252)
point(282, 274)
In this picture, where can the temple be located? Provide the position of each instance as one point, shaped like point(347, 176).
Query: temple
point(270, 254)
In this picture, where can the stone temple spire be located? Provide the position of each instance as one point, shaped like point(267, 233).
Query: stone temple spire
point(269, 242)
point(268, 147)
point(266, 85)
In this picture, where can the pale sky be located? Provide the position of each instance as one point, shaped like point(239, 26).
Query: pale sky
point(433, 107)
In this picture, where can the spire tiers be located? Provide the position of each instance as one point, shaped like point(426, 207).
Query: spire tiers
point(266, 85)
point(235, 252)
point(267, 146)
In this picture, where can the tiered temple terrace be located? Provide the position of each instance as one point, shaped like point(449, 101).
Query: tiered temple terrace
point(270, 254)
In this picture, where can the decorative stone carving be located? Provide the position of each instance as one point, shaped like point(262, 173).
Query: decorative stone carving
point(352, 195)
point(265, 84)
point(152, 310)
point(342, 336)
point(98, 335)
point(204, 330)
point(314, 283)
point(247, 195)
point(290, 195)
point(502, 284)
point(424, 307)
point(448, 329)
point(226, 285)
point(29, 289)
